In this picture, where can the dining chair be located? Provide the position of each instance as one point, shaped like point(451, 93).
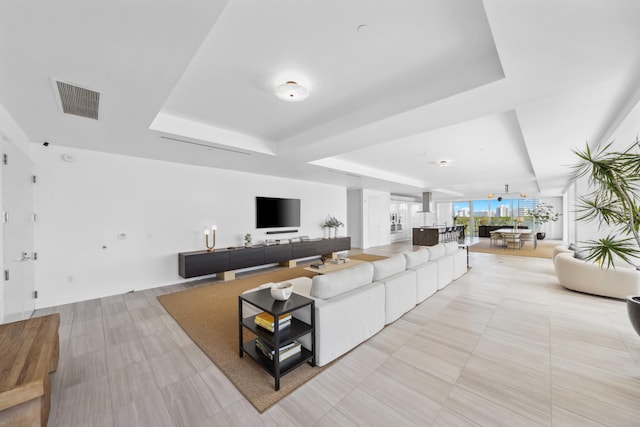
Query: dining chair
point(512, 240)
point(495, 237)
point(527, 237)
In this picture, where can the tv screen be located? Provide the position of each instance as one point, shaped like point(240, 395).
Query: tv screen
point(276, 212)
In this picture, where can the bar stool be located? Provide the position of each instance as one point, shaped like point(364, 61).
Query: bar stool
point(449, 233)
point(457, 233)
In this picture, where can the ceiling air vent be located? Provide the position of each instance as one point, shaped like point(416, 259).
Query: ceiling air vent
point(78, 101)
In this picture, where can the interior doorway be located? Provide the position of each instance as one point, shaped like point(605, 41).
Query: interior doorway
point(18, 235)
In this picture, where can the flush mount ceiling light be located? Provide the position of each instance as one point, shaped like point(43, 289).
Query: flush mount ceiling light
point(292, 92)
point(506, 193)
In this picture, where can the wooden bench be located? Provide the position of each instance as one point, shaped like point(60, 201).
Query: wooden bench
point(29, 351)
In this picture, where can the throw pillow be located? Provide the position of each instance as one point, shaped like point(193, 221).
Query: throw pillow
point(580, 254)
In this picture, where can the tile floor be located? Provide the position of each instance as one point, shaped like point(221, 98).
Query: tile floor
point(503, 345)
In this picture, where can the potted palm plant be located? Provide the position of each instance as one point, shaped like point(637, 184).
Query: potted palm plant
point(542, 214)
point(614, 183)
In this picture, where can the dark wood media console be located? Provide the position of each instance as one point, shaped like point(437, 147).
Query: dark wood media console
point(202, 263)
point(485, 230)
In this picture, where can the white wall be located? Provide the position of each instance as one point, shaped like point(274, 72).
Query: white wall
point(162, 208)
point(354, 217)
point(11, 132)
point(553, 230)
point(444, 213)
point(569, 215)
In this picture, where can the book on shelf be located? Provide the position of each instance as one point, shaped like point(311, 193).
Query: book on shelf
point(286, 351)
point(271, 328)
point(266, 321)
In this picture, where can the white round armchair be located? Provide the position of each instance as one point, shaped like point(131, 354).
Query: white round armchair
point(584, 276)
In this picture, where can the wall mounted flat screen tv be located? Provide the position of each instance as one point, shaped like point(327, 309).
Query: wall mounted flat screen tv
point(276, 212)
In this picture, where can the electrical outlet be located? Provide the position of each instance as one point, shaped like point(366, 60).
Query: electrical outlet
point(122, 236)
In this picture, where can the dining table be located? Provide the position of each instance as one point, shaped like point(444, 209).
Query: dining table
point(518, 231)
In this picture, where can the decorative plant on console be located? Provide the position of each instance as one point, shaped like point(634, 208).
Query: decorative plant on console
point(614, 180)
point(542, 214)
point(331, 222)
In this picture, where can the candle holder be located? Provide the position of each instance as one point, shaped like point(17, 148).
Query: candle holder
point(210, 247)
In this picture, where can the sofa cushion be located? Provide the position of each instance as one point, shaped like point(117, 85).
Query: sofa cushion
point(400, 294)
point(415, 258)
point(426, 280)
point(560, 249)
point(347, 320)
point(580, 254)
point(451, 248)
point(329, 285)
point(459, 263)
point(436, 251)
point(388, 267)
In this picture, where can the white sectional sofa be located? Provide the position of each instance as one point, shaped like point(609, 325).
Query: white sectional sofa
point(353, 304)
point(459, 256)
point(438, 254)
point(399, 286)
point(349, 309)
point(426, 273)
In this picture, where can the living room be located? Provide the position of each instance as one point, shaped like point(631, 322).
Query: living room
point(116, 199)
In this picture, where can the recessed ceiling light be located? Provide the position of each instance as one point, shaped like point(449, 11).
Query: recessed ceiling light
point(444, 163)
point(292, 92)
point(362, 28)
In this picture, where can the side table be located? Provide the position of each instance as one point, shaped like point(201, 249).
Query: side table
point(466, 243)
point(263, 300)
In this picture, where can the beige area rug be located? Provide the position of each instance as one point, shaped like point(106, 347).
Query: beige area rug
point(209, 315)
point(544, 249)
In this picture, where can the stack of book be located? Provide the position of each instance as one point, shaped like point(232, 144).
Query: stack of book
point(286, 351)
point(318, 266)
point(266, 321)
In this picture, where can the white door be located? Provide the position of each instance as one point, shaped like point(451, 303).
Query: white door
point(18, 228)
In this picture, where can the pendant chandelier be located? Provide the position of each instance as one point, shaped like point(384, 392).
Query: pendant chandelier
point(506, 194)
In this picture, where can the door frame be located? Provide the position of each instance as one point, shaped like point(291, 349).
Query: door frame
point(18, 253)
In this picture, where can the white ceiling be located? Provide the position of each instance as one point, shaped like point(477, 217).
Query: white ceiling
point(504, 90)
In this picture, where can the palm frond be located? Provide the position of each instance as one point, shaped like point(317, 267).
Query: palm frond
point(611, 248)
